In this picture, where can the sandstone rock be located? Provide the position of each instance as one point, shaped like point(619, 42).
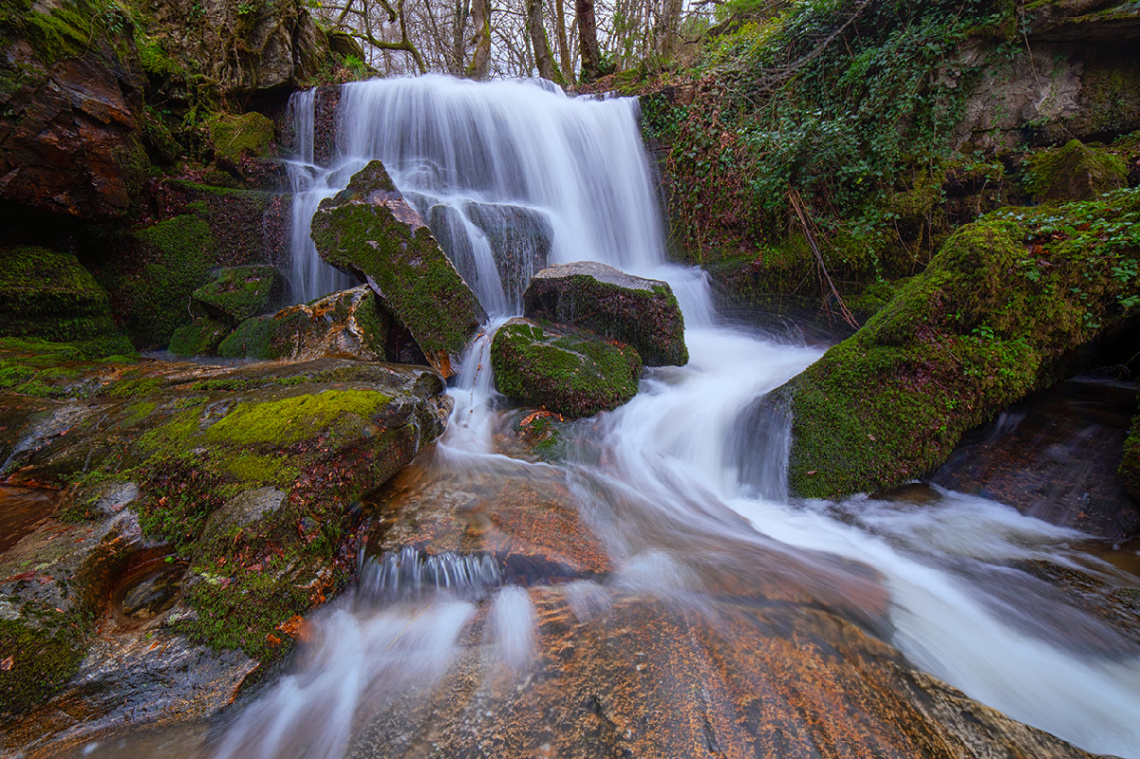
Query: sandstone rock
point(369, 229)
point(569, 372)
point(595, 297)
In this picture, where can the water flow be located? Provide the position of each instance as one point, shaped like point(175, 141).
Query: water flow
point(676, 477)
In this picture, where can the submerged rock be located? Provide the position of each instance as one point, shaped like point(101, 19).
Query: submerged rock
point(352, 323)
point(569, 372)
point(369, 229)
point(994, 316)
point(599, 298)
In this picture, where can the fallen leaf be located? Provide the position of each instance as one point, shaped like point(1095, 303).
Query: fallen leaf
point(6, 664)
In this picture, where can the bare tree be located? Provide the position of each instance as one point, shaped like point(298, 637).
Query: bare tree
point(481, 58)
point(540, 43)
point(588, 39)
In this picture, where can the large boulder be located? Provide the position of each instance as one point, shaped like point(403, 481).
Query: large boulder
point(352, 323)
point(231, 491)
point(569, 372)
point(370, 230)
point(995, 315)
point(599, 298)
point(1074, 172)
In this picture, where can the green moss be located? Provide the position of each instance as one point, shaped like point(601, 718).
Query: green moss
point(253, 338)
point(293, 419)
point(1074, 172)
point(241, 292)
point(235, 137)
point(252, 467)
point(1130, 464)
point(990, 319)
point(200, 337)
point(571, 373)
point(179, 253)
point(41, 663)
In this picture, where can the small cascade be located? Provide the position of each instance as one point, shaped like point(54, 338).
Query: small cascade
point(412, 574)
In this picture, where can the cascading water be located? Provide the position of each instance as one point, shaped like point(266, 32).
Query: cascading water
point(662, 484)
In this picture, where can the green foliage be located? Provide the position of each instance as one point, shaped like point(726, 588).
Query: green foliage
point(40, 662)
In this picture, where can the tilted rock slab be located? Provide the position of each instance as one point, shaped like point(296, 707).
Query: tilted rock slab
point(601, 299)
point(368, 229)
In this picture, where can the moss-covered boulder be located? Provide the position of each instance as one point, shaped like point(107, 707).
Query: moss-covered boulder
point(369, 230)
point(48, 295)
point(994, 316)
point(599, 298)
point(351, 323)
point(239, 292)
point(569, 372)
point(1074, 172)
point(240, 136)
point(200, 337)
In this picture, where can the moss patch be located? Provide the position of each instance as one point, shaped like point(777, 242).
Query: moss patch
point(38, 663)
point(571, 373)
point(235, 137)
point(991, 318)
point(240, 292)
point(200, 337)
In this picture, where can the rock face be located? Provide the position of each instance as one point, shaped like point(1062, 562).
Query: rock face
point(49, 296)
point(993, 316)
point(569, 372)
point(369, 229)
point(1075, 77)
point(242, 477)
point(352, 323)
point(595, 297)
point(69, 137)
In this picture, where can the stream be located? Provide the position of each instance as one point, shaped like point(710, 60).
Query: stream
point(678, 521)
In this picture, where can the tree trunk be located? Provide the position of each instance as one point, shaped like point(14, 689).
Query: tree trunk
point(563, 43)
point(588, 40)
point(541, 45)
point(668, 28)
point(458, 37)
point(481, 58)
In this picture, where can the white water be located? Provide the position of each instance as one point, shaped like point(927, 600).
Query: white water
point(672, 456)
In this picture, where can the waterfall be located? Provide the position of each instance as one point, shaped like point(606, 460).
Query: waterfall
point(512, 176)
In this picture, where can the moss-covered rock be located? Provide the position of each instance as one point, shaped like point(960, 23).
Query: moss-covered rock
point(239, 292)
point(349, 323)
point(370, 230)
point(38, 663)
point(599, 298)
point(234, 137)
point(1074, 172)
point(200, 337)
point(199, 441)
point(569, 372)
point(992, 317)
point(1130, 465)
point(48, 295)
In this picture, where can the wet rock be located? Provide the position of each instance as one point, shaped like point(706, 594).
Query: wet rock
point(994, 315)
point(569, 372)
point(240, 292)
point(369, 229)
point(1130, 464)
point(352, 323)
point(48, 295)
point(595, 297)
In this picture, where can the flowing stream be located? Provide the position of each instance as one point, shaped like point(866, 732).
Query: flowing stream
point(669, 482)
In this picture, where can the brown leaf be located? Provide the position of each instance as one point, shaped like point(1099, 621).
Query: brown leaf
point(6, 664)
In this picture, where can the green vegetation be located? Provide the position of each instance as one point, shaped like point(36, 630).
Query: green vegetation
point(249, 135)
point(200, 337)
point(571, 373)
point(990, 319)
point(1074, 172)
